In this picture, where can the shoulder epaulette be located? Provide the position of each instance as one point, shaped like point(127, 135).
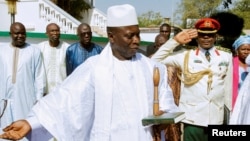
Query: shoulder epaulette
point(223, 49)
point(189, 47)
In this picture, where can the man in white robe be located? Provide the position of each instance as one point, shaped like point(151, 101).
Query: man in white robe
point(22, 81)
point(54, 57)
point(106, 97)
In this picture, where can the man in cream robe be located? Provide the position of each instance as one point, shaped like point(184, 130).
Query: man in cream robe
point(54, 62)
point(104, 106)
point(54, 57)
point(107, 96)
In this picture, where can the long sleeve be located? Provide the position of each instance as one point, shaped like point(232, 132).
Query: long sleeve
point(164, 51)
point(68, 62)
point(228, 85)
point(40, 77)
point(39, 133)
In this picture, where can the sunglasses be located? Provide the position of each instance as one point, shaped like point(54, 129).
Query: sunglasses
point(164, 31)
point(85, 33)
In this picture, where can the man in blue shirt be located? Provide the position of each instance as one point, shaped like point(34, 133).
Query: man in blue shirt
point(78, 52)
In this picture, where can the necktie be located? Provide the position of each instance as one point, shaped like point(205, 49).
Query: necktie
point(207, 54)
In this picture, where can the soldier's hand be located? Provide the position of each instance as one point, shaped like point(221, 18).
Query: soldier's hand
point(17, 130)
point(186, 36)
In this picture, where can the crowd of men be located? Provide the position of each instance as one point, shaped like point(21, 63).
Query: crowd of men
point(32, 71)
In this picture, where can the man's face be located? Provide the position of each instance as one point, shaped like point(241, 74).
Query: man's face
point(85, 35)
point(206, 40)
point(125, 41)
point(160, 41)
point(53, 32)
point(18, 35)
point(166, 30)
point(243, 51)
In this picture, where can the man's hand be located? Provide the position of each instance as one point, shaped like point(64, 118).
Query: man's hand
point(17, 130)
point(186, 36)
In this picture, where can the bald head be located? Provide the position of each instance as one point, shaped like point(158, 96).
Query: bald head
point(160, 39)
point(18, 34)
point(17, 25)
point(83, 26)
point(85, 34)
point(53, 32)
point(52, 25)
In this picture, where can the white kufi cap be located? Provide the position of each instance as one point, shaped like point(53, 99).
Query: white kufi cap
point(121, 15)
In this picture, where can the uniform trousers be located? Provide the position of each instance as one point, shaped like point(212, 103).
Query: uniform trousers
point(195, 133)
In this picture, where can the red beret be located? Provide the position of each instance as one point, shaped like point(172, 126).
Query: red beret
point(207, 25)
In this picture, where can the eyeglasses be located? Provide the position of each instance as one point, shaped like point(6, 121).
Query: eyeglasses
point(164, 31)
point(85, 33)
point(3, 105)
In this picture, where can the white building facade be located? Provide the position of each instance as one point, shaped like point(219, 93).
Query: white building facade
point(36, 14)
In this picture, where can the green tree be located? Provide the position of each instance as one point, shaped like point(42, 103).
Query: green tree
point(242, 9)
point(150, 19)
point(74, 7)
point(193, 9)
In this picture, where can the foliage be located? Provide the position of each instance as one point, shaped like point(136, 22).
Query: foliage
point(74, 7)
point(193, 9)
point(242, 8)
point(150, 19)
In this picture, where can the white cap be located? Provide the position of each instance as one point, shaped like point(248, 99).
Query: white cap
point(121, 15)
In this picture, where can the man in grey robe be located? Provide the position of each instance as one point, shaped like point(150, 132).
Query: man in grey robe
point(106, 97)
point(22, 81)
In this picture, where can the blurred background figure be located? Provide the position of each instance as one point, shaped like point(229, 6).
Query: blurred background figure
point(160, 39)
point(164, 29)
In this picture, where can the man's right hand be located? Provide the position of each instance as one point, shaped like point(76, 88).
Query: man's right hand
point(16, 131)
point(186, 36)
